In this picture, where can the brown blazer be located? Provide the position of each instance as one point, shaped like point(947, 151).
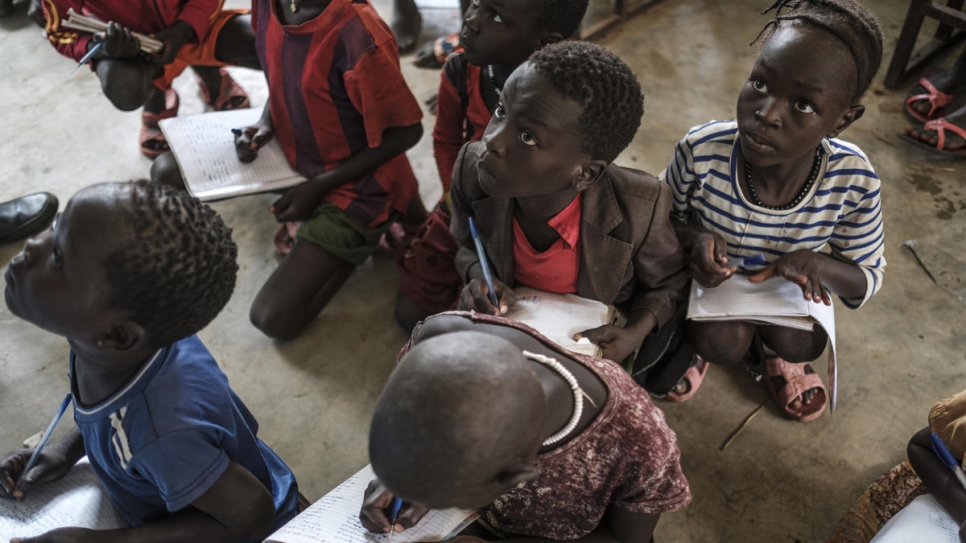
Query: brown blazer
point(628, 249)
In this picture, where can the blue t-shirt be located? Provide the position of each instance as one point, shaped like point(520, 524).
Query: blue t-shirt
point(163, 440)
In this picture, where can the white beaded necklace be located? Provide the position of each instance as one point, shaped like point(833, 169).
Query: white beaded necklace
point(578, 395)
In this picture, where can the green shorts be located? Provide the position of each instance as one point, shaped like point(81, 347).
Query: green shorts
point(343, 236)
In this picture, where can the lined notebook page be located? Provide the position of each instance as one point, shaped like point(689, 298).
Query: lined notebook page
point(560, 316)
point(204, 147)
point(78, 499)
point(922, 521)
point(335, 519)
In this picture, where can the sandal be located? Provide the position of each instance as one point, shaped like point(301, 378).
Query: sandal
point(692, 378)
point(434, 54)
point(152, 141)
point(936, 98)
point(799, 378)
point(940, 126)
point(230, 95)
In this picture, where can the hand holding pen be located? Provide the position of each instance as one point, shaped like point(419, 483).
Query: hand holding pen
point(17, 469)
point(490, 296)
point(384, 513)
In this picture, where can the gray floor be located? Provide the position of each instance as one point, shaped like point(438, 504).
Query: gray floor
point(779, 481)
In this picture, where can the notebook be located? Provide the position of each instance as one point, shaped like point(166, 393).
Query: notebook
point(775, 301)
point(77, 499)
point(560, 316)
point(922, 521)
point(335, 519)
point(204, 147)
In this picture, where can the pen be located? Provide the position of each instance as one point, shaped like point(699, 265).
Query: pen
point(90, 54)
point(947, 458)
point(746, 261)
point(46, 436)
point(394, 508)
point(484, 264)
point(237, 131)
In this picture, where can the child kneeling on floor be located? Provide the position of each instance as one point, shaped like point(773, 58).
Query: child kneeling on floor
point(484, 413)
point(129, 273)
point(777, 182)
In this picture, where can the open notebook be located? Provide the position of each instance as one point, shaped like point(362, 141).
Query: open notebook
point(204, 147)
point(775, 301)
point(335, 519)
point(78, 499)
point(922, 521)
point(560, 316)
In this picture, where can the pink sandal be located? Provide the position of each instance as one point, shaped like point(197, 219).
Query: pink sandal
point(936, 98)
point(230, 95)
point(797, 382)
point(151, 139)
point(940, 126)
point(693, 377)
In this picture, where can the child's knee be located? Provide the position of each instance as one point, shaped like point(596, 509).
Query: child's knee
point(273, 321)
point(236, 43)
point(720, 346)
point(127, 84)
point(165, 171)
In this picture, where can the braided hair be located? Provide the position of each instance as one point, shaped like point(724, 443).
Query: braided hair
point(561, 16)
point(604, 85)
point(847, 20)
point(178, 270)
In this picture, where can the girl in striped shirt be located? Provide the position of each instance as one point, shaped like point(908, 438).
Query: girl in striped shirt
point(777, 182)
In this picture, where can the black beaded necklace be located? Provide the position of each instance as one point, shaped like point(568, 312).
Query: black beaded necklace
point(816, 166)
point(492, 74)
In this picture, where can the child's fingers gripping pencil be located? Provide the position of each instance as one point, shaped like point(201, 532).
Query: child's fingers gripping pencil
point(484, 265)
point(35, 456)
point(394, 507)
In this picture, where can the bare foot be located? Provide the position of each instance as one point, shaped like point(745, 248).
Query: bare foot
point(953, 142)
point(406, 24)
point(947, 81)
point(802, 401)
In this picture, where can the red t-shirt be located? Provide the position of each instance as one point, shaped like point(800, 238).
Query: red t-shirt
point(461, 113)
point(335, 87)
point(144, 16)
point(553, 270)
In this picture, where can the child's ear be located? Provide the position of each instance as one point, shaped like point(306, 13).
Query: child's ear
point(853, 114)
point(588, 173)
point(517, 472)
point(122, 336)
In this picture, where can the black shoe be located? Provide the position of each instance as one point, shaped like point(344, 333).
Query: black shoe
point(24, 217)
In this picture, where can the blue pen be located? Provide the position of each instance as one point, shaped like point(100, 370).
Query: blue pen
point(90, 54)
point(394, 509)
point(746, 261)
point(46, 436)
point(947, 458)
point(484, 264)
point(237, 131)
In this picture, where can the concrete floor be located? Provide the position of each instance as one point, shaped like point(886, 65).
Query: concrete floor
point(779, 481)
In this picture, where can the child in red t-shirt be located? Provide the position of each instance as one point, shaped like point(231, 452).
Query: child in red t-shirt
point(496, 38)
point(344, 117)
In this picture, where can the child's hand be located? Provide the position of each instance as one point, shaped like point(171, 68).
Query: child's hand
point(51, 466)
point(708, 260)
point(172, 38)
point(297, 204)
point(616, 343)
point(62, 535)
point(476, 296)
point(802, 267)
point(376, 503)
point(251, 139)
point(121, 43)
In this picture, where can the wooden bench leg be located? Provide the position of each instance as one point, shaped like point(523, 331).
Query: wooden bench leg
point(905, 44)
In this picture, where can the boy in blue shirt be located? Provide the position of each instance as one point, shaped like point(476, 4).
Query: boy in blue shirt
point(128, 274)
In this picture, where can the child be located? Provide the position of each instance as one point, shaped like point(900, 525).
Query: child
point(775, 182)
point(345, 117)
point(128, 274)
point(552, 210)
point(485, 413)
point(195, 33)
point(496, 38)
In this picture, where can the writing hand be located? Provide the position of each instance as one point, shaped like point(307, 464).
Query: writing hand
point(52, 466)
point(172, 38)
point(251, 139)
point(120, 42)
point(616, 343)
point(376, 504)
point(297, 204)
point(804, 268)
point(61, 535)
point(708, 260)
point(476, 296)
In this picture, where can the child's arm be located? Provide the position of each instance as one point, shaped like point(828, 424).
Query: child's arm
point(448, 131)
point(938, 478)
point(55, 461)
point(299, 201)
point(236, 508)
point(707, 254)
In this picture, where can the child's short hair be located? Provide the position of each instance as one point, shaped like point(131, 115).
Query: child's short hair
point(561, 16)
point(178, 271)
point(850, 22)
point(606, 88)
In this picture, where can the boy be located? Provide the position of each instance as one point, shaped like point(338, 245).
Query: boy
point(552, 210)
point(485, 413)
point(128, 274)
point(195, 33)
point(497, 37)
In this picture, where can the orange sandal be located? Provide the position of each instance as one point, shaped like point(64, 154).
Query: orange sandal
point(693, 378)
point(797, 382)
point(152, 141)
point(936, 98)
point(230, 95)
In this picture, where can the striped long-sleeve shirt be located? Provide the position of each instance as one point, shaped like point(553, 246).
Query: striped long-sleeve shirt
point(842, 210)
